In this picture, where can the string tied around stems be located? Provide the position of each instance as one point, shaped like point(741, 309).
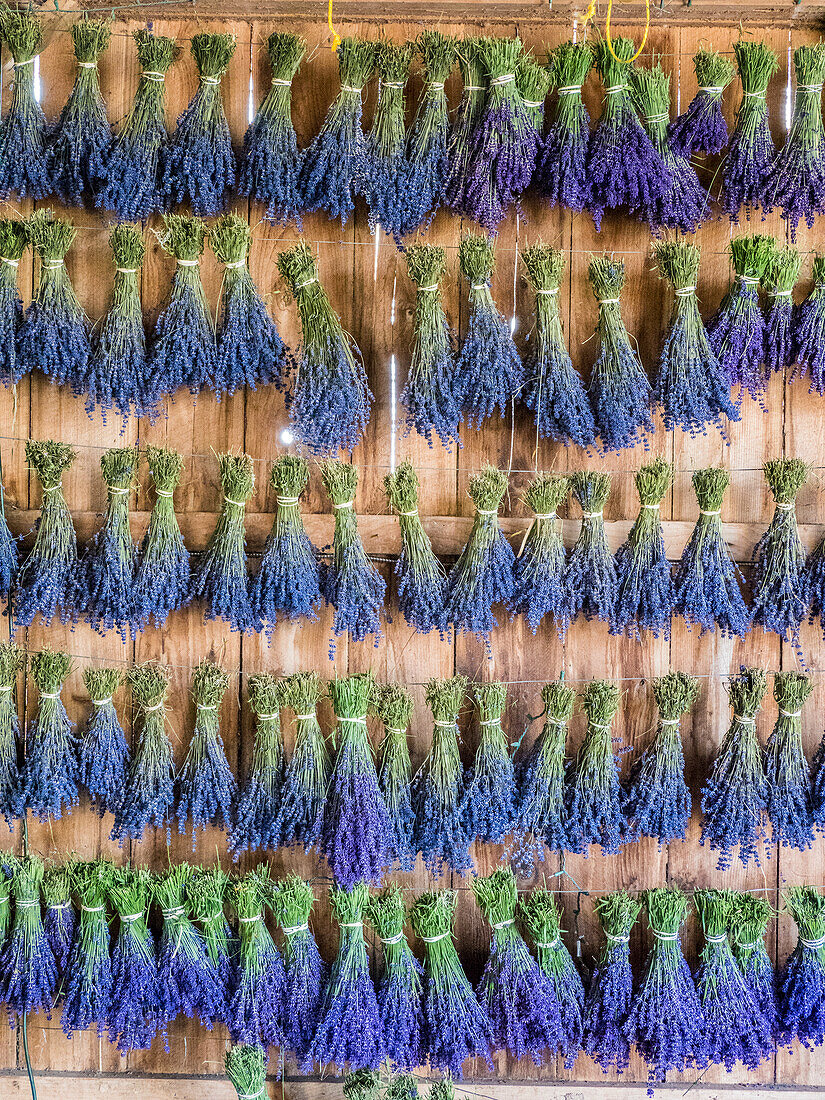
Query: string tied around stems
point(93, 908)
point(548, 946)
point(173, 914)
point(617, 939)
point(293, 928)
point(394, 939)
point(287, 502)
point(665, 937)
point(716, 939)
point(128, 918)
point(435, 939)
point(12, 263)
point(503, 924)
point(101, 702)
point(685, 291)
point(790, 713)
point(813, 944)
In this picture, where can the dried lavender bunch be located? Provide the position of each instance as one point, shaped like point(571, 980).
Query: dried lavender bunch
point(206, 787)
point(386, 141)
point(456, 1026)
point(802, 981)
point(133, 1020)
point(488, 369)
point(813, 585)
point(488, 804)
point(540, 563)
point(552, 388)
point(87, 1000)
point(620, 391)
point(483, 575)
point(781, 273)
point(51, 770)
point(162, 578)
point(779, 556)
point(9, 558)
point(268, 170)
point(809, 331)
point(13, 241)
point(350, 583)
point(5, 902)
point(746, 169)
point(655, 797)
point(421, 576)
point(306, 776)
point(221, 579)
point(702, 127)
point(748, 924)
point(12, 660)
point(735, 793)
point(254, 820)
point(149, 791)
point(134, 189)
point(431, 393)
point(79, 141)
point(590, 580)
point(333, 169)
point(28, 970)
point(106, 571)
point(206, 894)
point(593, 795)
point(305, 973)
point(394, 705)
point(104, 755)
point(258, 982)
point(644, 592)
point(460, 142)
point(789, 807)
point(533, 82)
point(610, 994)
point(24, 168)
point(692, 385)
point(399, 988)
point(562, 158)
point(245, 1066)
point(60, 921)
point(329, 405)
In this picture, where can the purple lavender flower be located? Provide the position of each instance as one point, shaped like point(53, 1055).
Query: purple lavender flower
point(609, 996)
point(255, 816)
point(50, 787)
point(12, 660)
point(460, 141)
point(540, 563)
point(9, 560)
point(394, 704)
point(789, 808)
point(306, 776)
point(13, 242)
point(809, 332)
point(421, 576)
point(255, 1004)
point(488, 803)
point(305, 973)
point(802, 981)
point(533, 83)
point(386, 141)
point(562, 158)
point(746, 170)
point(781, 273)
point(206, 893)
point(702, 127)
point(779, 556)
point(104, 755)
point(60, 921)
point(87, 1001)
point(749, 921)
point(590, 580)
point(399, 988)
point(162, 579)
point(133, 1018)
point(593, 796)
point(28, 969)
point(23, 135)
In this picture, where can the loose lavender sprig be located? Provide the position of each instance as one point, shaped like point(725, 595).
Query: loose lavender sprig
point(746, 170)
point(802, 982)
point(80, 139)
point(51, 744)
point(593, 796)
point(255, 817)
point(162, 578)
point(60, 921)
point(644, 593)
point(14, 238)
point(206, 895)
point(735, 794)
point(779, 556)
point(748, 924)
point(268, 170)
point(104, 755)
point(24, 168)
point(533, 82)
point(789, 808)
point(781, 273)
point(305, 973)
point(702, 127)
point(88, 997)
point(540, 563)
point(386, 141)
point(488, 804)
point(254, 1009)
point(590, 580)
point(421, 576)
point(394, 705)
point(133, 1019)
point(12, 660)
point(399, 989)
point(306, 776)
point(809, 331)
point(610, 994)
point(28, 969)
point(134, 188)
point(149, 791)
point(460, 142)
point(562, 159)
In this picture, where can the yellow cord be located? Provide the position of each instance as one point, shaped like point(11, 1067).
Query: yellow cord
point(589, 15)
point(336, 38)
point(607, 33)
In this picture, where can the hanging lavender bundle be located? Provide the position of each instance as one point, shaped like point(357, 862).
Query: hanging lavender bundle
point(306, 776)
point(540, 915)
point(149, 791)
point(460, 141)
point(9, 559)
point(246, 1069)
point(421, 576)
point(789, 807)
point(483, 575)
point(516, 997)
point(51, 745)
point(399, 989)
point(206, 893)
point(133, 1017)
point(250, 349)
point(220, 580)
point(562, 158)
point(533, 82)
point(54, 334)
point(28, 970)
point(305, 973)
point(13, 241)
point(60, 921)
point(656, 799)
point(134, 188)
point(88, 998)
point(268, 170)
point(12, 660)
point(106, 571)
point(488, 369)
point(350, 583)
point(431, 393)
point(735, 794)
point(440, 832)
point(749, 921)
point(5, 903)
point(24, 167)
point(813, 585)
point(104, 755)
point(746, 169)
point(553, 388)
point(666, 1022)
point(590, 580)
point(356, 837)
point(162, 578)
point(644, 593)
point(610, 994)
point(802, 981)
point(702, 127)
point(781, 273)
point(593, 797)
point(488, 804)
point(80, 139)
point(394, 704)
point(624, 170)
point(809, 331)
point(779, 556)
point(456, 1026)
point(386, 141)
point(254, 821)
point(540, 817)
point(349, 1028)
point(206, 787)
point(254, 1008)
point(329, 405)
point(736, 1030)
point(692, 385)
point(540, 563)
point(183, 351)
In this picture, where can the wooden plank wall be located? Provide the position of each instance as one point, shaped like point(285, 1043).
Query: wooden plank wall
point(367, 283)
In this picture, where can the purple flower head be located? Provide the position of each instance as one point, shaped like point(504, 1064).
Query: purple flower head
point(421, 576)
point(746, 171)
point(789, 808)
point(13, 242)
point(399, 988)
point(206, 893)
point(50, 787)
point(386, 141)
point(609, 996)
point(394, 705)
point(162, 578)
point(748, 923)
point(540, 564)
point(12, 661)
point(781, 274)
point(702, 127)
point(305, 973)
point(562, 157)
point(24, 168)
point(779, 557)
point(104, 755)
point(460, 142)
point(307, 774)
point(28, 968)
point(254, 1010)
point(255, 816)
point(809, 332)
point(60, 920)
point(87, 1001)
point(802, 981)
point(488, 804)
point(133, 1019)
point(590, 580)
point(593, 796)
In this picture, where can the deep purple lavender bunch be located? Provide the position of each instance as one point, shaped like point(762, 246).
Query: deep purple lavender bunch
point(206, 788)
point(268, 170)
point(28, 969)
point(619, 388)
point(610, 994)
point(624, 170)
point(307, 774)
point(553, 388)
point(357, 833)
point(199, 165)
point(349, 1029)
point(394, 705)
point(80, 139)
point(12, 661)
point(87, 1001)
point(590, 580)
point(735, 793)
point(488, 804)
point(133, 1018)
point(305, 973)
point(790, 809)
point(23, 132)
point(456, 1026)
point(255, 816)
point(593, 795)
point(9, 558)
point(666, 1022)
point(781, 274)
point(813, 585)
point(460, 142)
point(399, 988)
point(206, 895)
point(221, 579)
point(540, 563)
point(60, 921)
point(106, 572)
point(779, 557)
point(483, 576)
point(818, 785)
point(802, 981)
point(329, 404)
point(562, 157)
point(386, 141)
point(748, 923)
point(692, 386)
point(333, 169)
point(809, 331)
point(746, 172)
point(51, 769)
point(162, 578)
point(13, 241)
point(255, 1005)
point(488, 369)
point(514, 993)
point(134, 188)
point(702, 127)
point(421, 576)
point(104, 755)
point(533, 82)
